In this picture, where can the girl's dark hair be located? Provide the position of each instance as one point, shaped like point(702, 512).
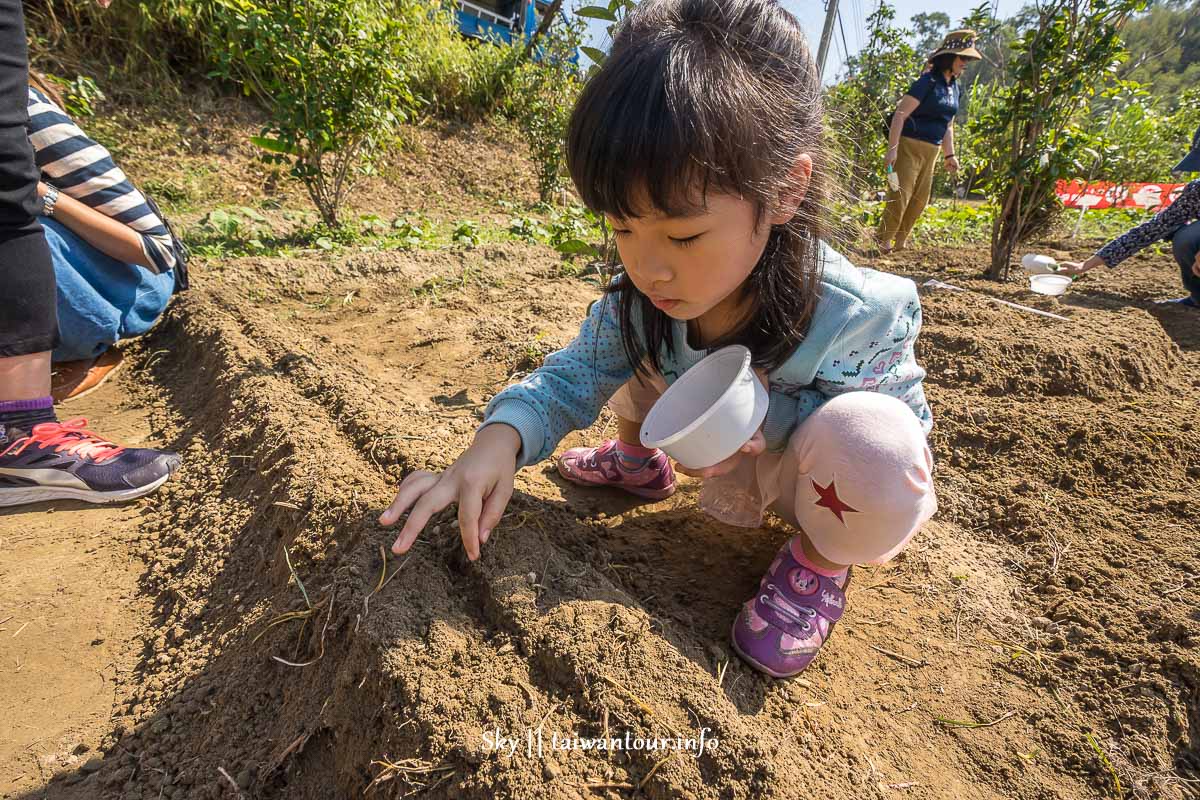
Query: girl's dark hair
point(698, 96)
point(943, 64)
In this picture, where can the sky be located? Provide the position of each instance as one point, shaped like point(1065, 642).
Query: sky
point(853, 13)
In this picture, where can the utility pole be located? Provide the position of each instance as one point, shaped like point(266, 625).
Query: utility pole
point(826, 36)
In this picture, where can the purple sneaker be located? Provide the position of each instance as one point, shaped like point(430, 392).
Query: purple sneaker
point(653, 479)
point(780, 630)
point(57, 461)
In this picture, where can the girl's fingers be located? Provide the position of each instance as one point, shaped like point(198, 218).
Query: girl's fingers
point(433, 501)
point(493, 508)
point(411, 488)
point(469, 503)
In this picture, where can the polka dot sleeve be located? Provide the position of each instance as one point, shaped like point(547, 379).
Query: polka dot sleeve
point(567, 392)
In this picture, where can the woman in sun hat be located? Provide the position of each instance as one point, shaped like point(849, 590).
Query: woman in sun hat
point(1178, 222)
point(922, 123)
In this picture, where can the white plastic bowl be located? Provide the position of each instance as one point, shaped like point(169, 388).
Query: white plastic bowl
point(1049, 284)
point(711, 411)
point(1038, 265)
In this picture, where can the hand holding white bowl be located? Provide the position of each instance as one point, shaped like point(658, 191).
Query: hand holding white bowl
point(755, 447)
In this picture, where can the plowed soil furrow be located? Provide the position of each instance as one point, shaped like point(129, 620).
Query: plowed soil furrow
point(1039, 609)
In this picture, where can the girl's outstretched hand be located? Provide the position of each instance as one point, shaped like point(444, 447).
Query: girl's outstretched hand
point(480, 482)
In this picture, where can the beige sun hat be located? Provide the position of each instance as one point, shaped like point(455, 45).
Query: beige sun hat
point(960, 43)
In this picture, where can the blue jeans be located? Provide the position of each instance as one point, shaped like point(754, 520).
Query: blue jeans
point(1184, 245)
point(100, 300)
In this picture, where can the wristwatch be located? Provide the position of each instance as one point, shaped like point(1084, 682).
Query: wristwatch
point(49, 201)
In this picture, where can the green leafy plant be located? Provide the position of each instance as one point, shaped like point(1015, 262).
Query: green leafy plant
point(466, 232)
point(528, 228)
point(229, 232)
point(859, 104)
point(407, 234)
point(613, 13)
point(80, 96)
point(331, 76)
point(542, 97)
point(1058, 64)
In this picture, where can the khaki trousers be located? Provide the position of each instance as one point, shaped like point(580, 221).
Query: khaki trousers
point(914, 166)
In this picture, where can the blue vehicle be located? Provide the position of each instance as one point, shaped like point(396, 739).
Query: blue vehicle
point(500, 20)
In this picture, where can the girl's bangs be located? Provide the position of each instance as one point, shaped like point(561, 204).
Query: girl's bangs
point(636, 148)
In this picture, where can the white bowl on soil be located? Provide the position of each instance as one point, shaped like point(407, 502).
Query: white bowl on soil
point(1053, 285)
point(709, 412)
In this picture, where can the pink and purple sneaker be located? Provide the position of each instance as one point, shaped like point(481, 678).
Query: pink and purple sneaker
point(638, 470)
point(780, 630)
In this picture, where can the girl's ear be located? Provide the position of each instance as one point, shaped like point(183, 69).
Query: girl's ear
point(794, 191)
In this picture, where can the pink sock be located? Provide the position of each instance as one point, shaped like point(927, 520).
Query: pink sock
point(798, 553)
point(633, 451)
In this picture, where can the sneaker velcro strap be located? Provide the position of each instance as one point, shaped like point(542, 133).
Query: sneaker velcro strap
point(828, 600)
point(782, 615)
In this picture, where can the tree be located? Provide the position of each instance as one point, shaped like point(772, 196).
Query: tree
point(331, 77)
point(929, 29)
point(547, 21)
point(1058, 64)
point(1164, 44)
point(860, 104)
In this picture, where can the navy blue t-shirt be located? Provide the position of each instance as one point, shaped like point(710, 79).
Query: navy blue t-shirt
point(939, 104)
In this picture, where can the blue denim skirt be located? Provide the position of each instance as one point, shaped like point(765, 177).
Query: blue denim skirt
point(100, 300)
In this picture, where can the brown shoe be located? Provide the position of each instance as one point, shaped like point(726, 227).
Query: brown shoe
point(71, 380)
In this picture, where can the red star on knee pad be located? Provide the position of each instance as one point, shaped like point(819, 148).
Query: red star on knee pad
point(829, 499)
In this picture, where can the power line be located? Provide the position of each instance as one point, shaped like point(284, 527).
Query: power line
point(845, 47)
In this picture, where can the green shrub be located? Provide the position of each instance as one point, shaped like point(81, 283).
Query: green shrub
point(456, 77)
point(541, 99)
point(331, 77)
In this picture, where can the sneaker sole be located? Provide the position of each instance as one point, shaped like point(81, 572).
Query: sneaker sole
point(41, 494)
point(648, 494)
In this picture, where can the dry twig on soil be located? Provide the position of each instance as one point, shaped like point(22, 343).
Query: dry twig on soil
point(912, 662)
point(954, 723)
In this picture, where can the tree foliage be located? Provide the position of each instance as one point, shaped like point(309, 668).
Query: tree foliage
point(860, 104)
point(1032, 137)
point(330, 74)
point(1165, 49)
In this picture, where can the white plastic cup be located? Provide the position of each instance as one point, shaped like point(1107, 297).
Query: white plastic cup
point(1053, 285)
point(710, 412)
point(1038, 264)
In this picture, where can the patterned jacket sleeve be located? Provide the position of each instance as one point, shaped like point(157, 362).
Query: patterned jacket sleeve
point(567, 392)
point(1185, 209)
point(875, 352)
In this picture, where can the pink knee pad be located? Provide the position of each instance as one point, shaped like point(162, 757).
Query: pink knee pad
point(865, 483)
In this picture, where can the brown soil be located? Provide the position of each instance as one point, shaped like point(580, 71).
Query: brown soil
point(1052, 602)
point(1053, 596)
point(200, 156)
point(70, 612)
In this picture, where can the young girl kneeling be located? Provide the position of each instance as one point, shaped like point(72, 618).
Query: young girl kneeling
point(700, 140)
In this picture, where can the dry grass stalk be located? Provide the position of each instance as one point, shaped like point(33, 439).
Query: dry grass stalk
point(954, 723)
point(1091, 739)
point(408, 769)
point(912, 662)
